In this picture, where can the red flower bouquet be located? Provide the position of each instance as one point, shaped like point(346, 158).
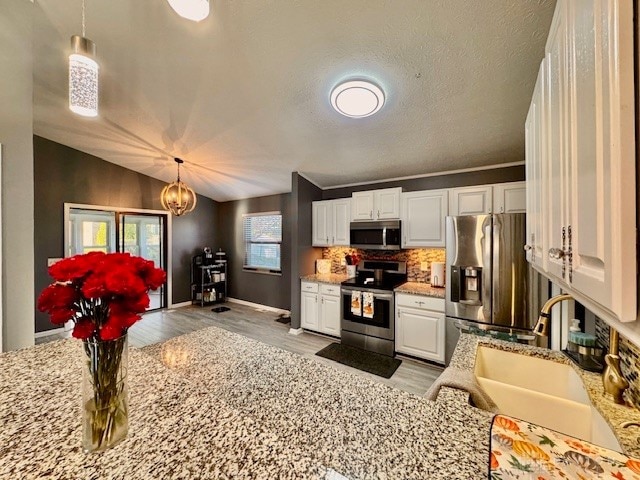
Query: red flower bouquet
point(103, 293)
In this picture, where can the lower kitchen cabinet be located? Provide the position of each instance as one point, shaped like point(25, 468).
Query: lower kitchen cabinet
point(320, 308)
point(420, 327)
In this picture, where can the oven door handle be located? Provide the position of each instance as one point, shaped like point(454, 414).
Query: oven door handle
point(382, 296)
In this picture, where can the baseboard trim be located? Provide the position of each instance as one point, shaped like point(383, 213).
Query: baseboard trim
point(46, 333)
point(258, 305)
point(181, 304)
point(295, 331)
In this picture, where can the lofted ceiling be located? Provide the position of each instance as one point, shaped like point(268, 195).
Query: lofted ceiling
point(243, 96)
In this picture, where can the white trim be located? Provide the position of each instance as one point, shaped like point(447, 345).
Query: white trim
point(180, 305)
point(261, 214)
point(295, 331)
point(309, 180)
point(46, 333)
point(424, 175)
point(258, 305)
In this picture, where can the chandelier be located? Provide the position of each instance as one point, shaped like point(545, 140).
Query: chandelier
point(177, 197)
point(83, 74)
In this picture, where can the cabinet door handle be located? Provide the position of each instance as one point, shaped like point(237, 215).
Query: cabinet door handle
point(527, 248)
point(327, 239)
point(378, 214)
point(333, 240)
point(556, 253)
point(371, 214)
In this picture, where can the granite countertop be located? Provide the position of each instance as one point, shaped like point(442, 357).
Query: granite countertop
point(615, 415)
point(328, 278)
point(215, 404)
point(419, 288)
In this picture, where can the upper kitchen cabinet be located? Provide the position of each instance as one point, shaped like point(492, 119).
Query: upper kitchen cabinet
point(330, 222)
point(470, 200)
point(584, 169)
point(376, 204)
point(510, 198)
point(534, 152)
point(423, 218)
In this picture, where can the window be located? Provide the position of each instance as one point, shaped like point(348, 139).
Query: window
point(262, 239)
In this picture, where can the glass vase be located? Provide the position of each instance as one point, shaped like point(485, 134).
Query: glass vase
point(104, 393)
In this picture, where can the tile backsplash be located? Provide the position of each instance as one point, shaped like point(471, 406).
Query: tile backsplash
point(629, 361)
point(414, 258)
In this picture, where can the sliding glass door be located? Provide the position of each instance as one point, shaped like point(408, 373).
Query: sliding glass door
point(141, 234)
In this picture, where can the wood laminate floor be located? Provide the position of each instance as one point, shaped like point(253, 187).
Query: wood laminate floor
point(412, 376)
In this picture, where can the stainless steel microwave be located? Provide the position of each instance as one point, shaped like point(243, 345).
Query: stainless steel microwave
point(381, 235)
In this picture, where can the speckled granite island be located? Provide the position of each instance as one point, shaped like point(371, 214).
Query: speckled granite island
point(214, 404)
point(335, 278)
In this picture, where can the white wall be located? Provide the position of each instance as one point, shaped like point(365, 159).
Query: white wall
point(16, 137)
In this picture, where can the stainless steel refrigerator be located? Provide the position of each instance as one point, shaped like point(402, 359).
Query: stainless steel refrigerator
point(487, 275)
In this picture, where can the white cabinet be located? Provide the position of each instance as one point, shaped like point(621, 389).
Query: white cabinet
point(423, 218)
point(381, 204)
point(309, 310)
point(420, 326)
point(510, 197)
point(471, 200)
point(320, 308)
point(330, 222)
point(535, 154)
point(587, 156)
point(322, 222)
point(329, 315)
point(341, 221)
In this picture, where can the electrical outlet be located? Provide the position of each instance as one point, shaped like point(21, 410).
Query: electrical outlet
point(51, 261)
point(343, 262)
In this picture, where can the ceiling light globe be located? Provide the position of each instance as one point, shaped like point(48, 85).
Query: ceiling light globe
point(195, 10)
point(357, 98)
point(83, 77)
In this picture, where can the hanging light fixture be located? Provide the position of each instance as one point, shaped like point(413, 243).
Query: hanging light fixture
point(177, 197)
point(83, 74)
point(195, 10)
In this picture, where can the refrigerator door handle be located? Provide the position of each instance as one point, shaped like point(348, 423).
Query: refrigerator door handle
point(487, 241)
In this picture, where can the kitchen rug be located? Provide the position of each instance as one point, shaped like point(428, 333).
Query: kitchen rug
point(370, 362)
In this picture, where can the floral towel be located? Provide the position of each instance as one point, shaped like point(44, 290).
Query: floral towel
point(521, 450)
point(367, 304)
point(356, 302)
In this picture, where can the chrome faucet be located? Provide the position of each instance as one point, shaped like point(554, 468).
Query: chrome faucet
point(612, 380)
point(542, 326)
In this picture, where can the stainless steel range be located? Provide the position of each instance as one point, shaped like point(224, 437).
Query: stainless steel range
point(367, 305)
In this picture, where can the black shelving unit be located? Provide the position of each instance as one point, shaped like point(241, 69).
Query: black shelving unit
point(208, 282)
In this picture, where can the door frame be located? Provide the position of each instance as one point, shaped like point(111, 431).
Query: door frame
point(125, 210)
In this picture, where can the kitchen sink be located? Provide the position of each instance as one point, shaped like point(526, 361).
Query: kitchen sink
point(543, 392)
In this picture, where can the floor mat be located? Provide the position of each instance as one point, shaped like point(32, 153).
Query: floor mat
point(283, 319)
point(220, 309)
point(364, 360)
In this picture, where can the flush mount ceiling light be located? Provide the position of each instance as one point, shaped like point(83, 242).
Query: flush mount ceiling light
point(83, 75)
point(357, 98)
point(177, 197)
point(195, 10)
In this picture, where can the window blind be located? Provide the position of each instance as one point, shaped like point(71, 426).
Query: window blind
point(262, 241)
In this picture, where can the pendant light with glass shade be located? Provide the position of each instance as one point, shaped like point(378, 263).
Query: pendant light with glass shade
point(177, 197)
point(194, 10)
point(83, 74)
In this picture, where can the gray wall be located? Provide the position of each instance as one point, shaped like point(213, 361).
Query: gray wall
point(481, 177)
point(16, 132)
point(303, 193)
point(64, 175)
point(265, 289)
